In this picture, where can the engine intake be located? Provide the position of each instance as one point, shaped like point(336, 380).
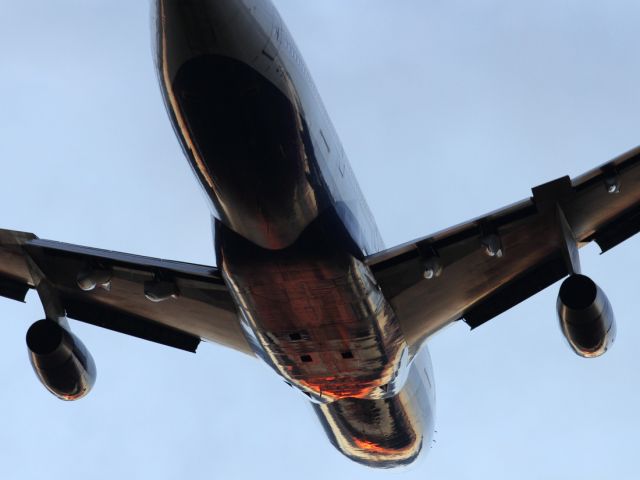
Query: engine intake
point(586, 317)
point(60, 360)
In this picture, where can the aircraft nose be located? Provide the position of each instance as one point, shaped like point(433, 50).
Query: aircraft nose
point(245, 137)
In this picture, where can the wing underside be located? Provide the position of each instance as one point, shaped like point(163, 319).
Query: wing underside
point(473, 271)
point(197, 306)
point(483, 267)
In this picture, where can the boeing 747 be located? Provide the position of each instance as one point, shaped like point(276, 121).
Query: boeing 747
point(304, 282)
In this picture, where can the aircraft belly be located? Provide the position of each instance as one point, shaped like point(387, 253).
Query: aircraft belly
point(292, 224)
point(388, 432)
point(316, 315)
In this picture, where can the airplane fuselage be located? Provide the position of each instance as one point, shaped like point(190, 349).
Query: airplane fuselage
point(292, 226)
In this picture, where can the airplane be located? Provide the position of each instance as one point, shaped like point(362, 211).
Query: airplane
point(98, 286)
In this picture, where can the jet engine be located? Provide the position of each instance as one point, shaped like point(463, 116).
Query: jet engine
point(60, 360)
point(586, 317)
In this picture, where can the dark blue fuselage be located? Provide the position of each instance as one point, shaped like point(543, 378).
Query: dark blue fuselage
point(292, 226)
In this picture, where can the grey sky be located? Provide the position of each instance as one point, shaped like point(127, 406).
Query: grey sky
point(447, 109)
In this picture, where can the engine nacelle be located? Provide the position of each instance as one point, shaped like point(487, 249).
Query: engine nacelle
point(586, 317)
point(60, 360)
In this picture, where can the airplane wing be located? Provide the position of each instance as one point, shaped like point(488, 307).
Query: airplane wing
point(171, 303)
point(481, 268)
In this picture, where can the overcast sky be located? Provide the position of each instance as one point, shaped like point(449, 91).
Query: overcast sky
point(447, 110)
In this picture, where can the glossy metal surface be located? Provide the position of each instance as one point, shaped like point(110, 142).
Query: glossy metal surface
point(245, 138)
point(202, 310)
point(388, 432)
point(529, 236)
point(293, 224)
point(315, 314)
point(585, 316)
point(468, 276)
point(251, 122)
point(60, 360)
point(297, 246)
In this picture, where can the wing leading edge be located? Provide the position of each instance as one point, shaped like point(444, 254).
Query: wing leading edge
point(481, 268)
point(191, 301)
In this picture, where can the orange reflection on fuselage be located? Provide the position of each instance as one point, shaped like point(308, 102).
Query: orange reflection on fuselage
point(318, 315)
point(372, 447)
point(348, 387)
